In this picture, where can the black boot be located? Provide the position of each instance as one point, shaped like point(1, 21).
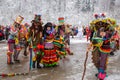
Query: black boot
point(33, 65)
point(38, 61)
point(96, 75)
point(38, 65)
point(25, 53)
point(112, 53)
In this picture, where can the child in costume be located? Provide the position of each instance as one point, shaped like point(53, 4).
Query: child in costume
point(35, 39)
point(13, 42)
point(66, 37)
point(22, 39)
point(50, 57)
point(64, 31)
point(18, 39)
point(11, 45)
point(101, 43)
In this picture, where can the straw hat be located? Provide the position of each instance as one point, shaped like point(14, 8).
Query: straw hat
point(19, 19)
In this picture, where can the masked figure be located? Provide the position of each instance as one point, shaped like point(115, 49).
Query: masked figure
point(35, 39)
point(13, 41)
point(102, 32)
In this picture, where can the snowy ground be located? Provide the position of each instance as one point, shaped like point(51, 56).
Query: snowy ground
point(113, 63)
point(70, 68)
point(78, 40)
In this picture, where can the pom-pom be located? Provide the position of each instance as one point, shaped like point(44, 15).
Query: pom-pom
point(35, 50)
point(40, 46)
point(103, 15)
point(96, 16)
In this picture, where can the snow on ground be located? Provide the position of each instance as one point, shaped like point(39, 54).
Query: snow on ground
point(114, 67)
point(4, 47)
point(77, 39)
point(72, 69)
point(113, 70)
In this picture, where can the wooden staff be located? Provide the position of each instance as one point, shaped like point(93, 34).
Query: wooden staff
point(86, 60)
point(85, 65)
